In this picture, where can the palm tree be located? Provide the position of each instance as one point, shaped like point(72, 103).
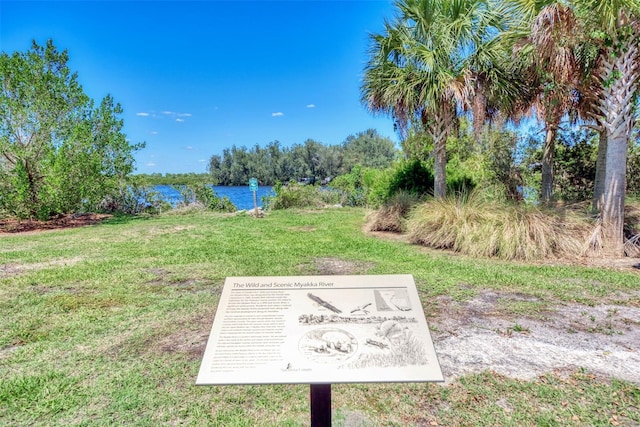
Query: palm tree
point(610, 59)
point(615, 27)
point(430, 64)
point(547, 46)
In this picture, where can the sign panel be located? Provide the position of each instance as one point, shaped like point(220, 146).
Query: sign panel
point(253, 184)
point(319, 330)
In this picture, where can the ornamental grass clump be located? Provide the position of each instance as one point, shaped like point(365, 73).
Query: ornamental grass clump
point(478, 225)
point(392, 214)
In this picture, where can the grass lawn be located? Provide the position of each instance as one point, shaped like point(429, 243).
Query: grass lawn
point(105, 325)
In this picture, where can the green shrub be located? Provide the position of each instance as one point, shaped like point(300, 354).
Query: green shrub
point(132, 199)
point(294, 195)
point(204, 195)
point(377, 182)
point(412, 176)
point(478, 225)
point(350, 187)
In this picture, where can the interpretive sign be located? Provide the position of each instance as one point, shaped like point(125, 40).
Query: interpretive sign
point(319, 330)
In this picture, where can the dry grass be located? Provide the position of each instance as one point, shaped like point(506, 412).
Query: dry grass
point(632, 229)
point(480, 226)
point(393, 214)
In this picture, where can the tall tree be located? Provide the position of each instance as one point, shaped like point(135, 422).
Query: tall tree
point(59, 152)
point(614, 26)
point(552, 34)
point(428, 65)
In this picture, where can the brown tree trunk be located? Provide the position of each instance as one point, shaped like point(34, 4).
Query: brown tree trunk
point(440, 127)
point(546, 193)
point(440, 168)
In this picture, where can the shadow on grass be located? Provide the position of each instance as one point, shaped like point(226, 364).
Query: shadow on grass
point(125, 219)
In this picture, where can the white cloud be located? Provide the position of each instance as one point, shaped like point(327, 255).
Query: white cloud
point(150, 164)
point(142, 114)
point(184, 114)
point(311, 106)
point(168, 113)
point(188, 147)
point(278, 114)
point(154, 132)
point(179, 120)
point(202, 160)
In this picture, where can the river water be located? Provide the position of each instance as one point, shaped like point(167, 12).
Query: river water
point(241, 197)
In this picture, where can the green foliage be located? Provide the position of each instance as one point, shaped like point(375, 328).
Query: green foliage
point(377, 182)
point(310, 161)
point(133, 198)
point(411, 176)
point(368, 149)
point(296, 195)
point(60, 153)
point(203, 194)
point(175, 178)
point(351, 186)
point(575, 166)
point(633, 169)
point(499, 162)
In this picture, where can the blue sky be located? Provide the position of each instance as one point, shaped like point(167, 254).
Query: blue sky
point(197, 77)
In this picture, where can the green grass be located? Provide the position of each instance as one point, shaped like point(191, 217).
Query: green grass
point(103, 325)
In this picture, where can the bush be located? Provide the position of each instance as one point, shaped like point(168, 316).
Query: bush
point(203, 194)
point(295, 195)
point(411, 176)
point(132, 199)
point(477, 225)
point(350, 187)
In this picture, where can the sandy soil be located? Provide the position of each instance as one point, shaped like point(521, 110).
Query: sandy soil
point(472, 336)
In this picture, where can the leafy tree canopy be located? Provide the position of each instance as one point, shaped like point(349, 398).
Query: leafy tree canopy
point(310, 161)
point(59, 153)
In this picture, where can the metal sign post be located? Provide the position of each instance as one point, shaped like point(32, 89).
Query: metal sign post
point(320, 397)
point(253, 186)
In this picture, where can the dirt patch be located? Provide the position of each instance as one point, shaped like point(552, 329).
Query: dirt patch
point(190, 338)
point(475, 336)
point(8, 270)
point(59, 222)
point(165, 278)
point(338, 266)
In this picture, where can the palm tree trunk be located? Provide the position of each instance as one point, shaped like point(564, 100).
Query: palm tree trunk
point(601, 165)
point(548, 153)
point(440, 127)
point(622, 71)
point(614, 196)
point(440, 168)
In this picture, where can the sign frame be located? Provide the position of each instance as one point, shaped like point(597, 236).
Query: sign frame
point(319, 330)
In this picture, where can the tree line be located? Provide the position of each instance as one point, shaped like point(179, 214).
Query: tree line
point(311, 161)
point(190, 178)
point(570, 61)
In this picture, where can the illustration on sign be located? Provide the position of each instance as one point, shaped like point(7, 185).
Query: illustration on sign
point(319, 329)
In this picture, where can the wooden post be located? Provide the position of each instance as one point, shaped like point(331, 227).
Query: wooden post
point(320, 396)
